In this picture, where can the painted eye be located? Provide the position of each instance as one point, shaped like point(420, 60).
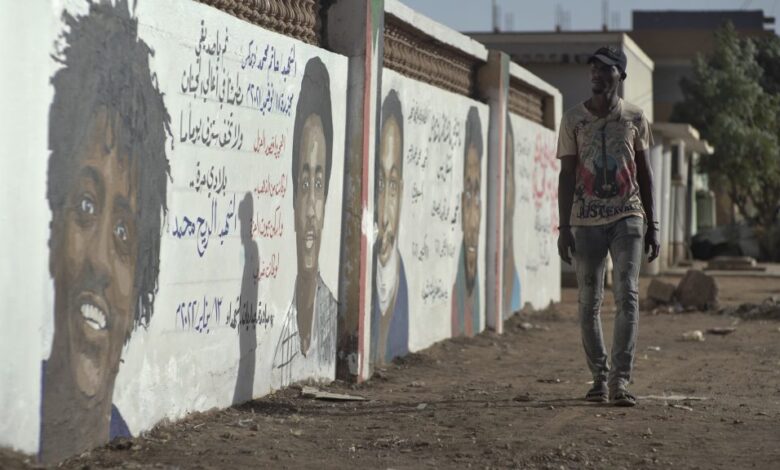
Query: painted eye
point(318, 183)
point(306, 184)
point(87, 206)
point(121, 231)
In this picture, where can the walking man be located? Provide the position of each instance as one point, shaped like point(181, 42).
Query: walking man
point(605, 202)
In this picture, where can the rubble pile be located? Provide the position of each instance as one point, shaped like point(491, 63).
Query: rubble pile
point(769, 309)
point(696, 291)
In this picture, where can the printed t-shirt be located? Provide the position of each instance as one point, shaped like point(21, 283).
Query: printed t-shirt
point(606, 187)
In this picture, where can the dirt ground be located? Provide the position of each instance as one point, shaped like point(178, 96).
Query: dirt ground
point(510, 401)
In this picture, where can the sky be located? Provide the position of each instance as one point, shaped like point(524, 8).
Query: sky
point(539, 15)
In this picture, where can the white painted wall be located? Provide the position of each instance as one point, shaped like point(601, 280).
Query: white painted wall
point(536, 213)
point(24, 214)
point(171, 368)
point(188, 358)
point(429, 246)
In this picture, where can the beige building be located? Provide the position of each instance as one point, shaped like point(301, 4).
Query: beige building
point(673, 39)
point(561, 59)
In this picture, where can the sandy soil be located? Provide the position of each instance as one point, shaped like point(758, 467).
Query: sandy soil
point(509, 401)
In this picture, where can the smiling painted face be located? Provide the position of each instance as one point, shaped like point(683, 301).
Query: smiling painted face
point(95, 260)
point(472, 212)
point(309, 203)
point(389, 188)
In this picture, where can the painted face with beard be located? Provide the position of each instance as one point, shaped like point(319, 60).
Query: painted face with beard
point(309, 205)
point(472, 212)
point(94, 260)
point(389, 188)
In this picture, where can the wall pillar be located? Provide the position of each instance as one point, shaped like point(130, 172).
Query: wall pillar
point(493, 88)
point(355, 28)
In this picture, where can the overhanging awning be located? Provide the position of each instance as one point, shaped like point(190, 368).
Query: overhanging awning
point(685, 132)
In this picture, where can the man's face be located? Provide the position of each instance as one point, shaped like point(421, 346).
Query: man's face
point(309, 203)
point(94, 260)
point(509, 204)
point(389, 188)
point(471, 212)
point(604, 78)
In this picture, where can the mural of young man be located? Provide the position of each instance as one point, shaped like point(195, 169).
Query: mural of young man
point(390, 306)
point(511, 297)
point(308, 340)
point(107, 177)
point(466, 314)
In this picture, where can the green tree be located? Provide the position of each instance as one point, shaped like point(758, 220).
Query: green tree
point(733, 98)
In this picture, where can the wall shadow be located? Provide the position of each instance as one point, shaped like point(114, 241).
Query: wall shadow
point(247, 324)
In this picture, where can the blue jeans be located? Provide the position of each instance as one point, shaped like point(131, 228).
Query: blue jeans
point(623, 239)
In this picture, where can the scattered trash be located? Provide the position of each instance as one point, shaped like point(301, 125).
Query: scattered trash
point(654, 348)
point(724, 330)
point(694, 335)
point(549, 381)
point(417, 384)
point(422, 406)
point(317, 394)
point(296, 432)
point(681, 407)
point(526, 326)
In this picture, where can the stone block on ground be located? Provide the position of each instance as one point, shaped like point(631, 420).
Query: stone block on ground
point(697, 290)
point(661, 292)
point(733, 263)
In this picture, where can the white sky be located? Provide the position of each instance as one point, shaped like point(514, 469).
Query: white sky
point(539, 15)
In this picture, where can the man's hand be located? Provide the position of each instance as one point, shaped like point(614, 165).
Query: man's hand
point(565, 242)
point(652, 247)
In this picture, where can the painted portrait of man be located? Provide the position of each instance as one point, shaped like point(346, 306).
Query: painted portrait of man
point(106, 187)
point(511, 280)
point(390, 305)
point(466, 313)
point(307, 344)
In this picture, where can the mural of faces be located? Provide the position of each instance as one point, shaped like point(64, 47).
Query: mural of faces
point(310, 197)
point(470, 203)
point(107, 179)
point(311, 164)
point(389, 187)
point(94, 260)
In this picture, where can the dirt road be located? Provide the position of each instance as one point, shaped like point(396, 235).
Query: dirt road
point(511, 401)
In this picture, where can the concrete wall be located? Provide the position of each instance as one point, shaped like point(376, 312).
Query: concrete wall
point(429, 247)
point(531, 264)
point(193, 260)
point(194, 195)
